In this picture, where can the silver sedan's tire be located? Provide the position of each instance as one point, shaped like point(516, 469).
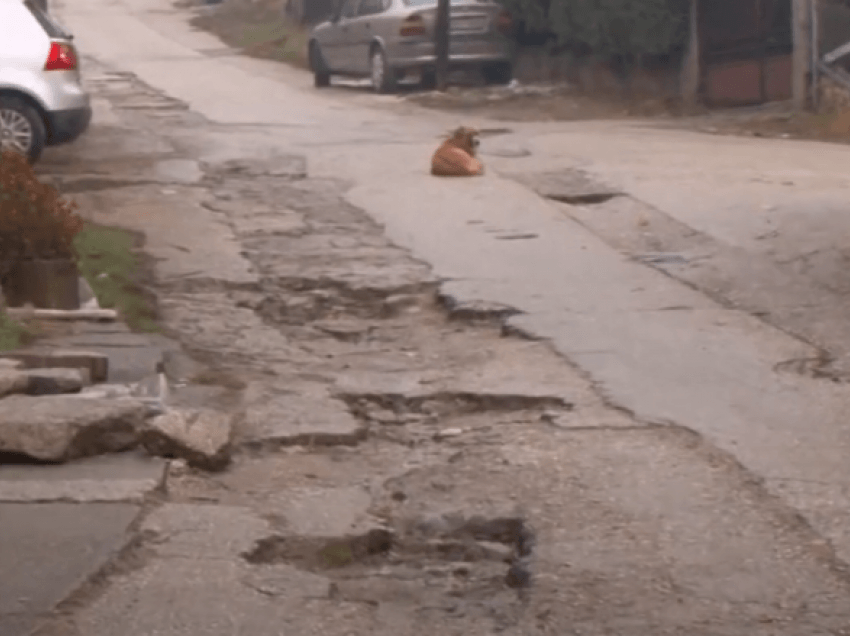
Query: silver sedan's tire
point(383, 77)
point(321, 72)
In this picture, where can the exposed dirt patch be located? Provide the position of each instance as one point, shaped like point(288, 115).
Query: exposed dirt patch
point(313, 553)
point(542, 102)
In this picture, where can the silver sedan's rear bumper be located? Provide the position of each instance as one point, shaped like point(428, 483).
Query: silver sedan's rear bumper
point(404, 55)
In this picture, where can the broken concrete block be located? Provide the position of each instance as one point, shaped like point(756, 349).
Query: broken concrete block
point(55, 381)
point(124, 477)
point(200, 437)
point(289, 419)
point(97, 364)
point(60, 428)
point(7, 364)
point(107, 391)
point(12, 381)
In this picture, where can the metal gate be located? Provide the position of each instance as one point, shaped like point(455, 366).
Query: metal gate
point(830, 33)
point(746, 50)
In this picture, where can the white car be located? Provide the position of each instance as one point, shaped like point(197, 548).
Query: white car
point(42, 101)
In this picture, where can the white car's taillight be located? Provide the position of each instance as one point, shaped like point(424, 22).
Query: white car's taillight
point(62, 57)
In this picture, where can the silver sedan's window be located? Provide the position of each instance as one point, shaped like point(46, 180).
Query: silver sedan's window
point(349, 10)
point(433, 3)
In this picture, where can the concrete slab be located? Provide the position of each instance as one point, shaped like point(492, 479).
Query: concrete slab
point(48, 550)
point(179, 171)
point(325, 512)
point(131, 356)
point(18, 624)
point(289, 419)
point(200, 531)
point(127, 477)
point(213, 597)
point(97, 364)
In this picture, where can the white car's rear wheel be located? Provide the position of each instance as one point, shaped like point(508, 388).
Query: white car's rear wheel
point(21, 128)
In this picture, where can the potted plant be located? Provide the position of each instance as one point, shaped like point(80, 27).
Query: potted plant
point(38, 264)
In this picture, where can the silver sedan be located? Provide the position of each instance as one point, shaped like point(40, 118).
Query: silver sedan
point(387, 39)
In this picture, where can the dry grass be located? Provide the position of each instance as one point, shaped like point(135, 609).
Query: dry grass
point(258, 30)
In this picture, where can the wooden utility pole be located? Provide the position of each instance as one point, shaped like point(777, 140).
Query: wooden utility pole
point(802, 57)
point(441, 44)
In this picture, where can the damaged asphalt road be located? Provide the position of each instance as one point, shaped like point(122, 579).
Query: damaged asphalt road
point(411, 453)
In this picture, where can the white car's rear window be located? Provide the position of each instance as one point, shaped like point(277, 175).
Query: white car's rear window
point(53, 30)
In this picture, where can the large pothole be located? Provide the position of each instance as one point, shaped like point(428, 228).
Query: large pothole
point(298, 302)
point(446, 403)
point(460, 542)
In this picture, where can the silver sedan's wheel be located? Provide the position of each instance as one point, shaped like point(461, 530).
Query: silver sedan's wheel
point(21, 128)
point(321, 73)
point(383, 77)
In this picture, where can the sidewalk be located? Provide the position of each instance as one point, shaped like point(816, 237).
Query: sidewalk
point(404, 465)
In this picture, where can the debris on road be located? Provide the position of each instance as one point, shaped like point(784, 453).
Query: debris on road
point(202, 438)
point(62, 428)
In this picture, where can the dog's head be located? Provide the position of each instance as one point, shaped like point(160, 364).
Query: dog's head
point(466, 138)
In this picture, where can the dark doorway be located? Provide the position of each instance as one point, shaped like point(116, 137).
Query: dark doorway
point(746, 48)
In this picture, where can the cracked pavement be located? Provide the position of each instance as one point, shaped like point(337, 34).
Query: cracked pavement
point(463, 408)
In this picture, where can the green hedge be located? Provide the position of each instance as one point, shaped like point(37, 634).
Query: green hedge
point(630, 31)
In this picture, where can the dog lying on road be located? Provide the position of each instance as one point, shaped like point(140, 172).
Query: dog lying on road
point(456, 156)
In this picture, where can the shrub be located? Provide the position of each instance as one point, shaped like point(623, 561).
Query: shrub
point(624, 30)
point(35, 221)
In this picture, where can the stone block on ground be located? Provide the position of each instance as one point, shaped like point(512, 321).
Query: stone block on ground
point(56, 381)
point(12, 381)
point(286, 419)
point(201, 437)
point(97, 364)
point(107, 391)
point(7, 364)
point(121, 477)
point(60, 428)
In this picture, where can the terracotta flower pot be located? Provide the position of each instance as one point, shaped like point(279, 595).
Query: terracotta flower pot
point(44, 283)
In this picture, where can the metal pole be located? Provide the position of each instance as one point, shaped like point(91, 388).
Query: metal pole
point(690, 78)
point(441, 44)
point(802, 52)
point(815, 55)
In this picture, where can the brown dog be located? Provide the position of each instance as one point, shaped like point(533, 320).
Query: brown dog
point(456, 156)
